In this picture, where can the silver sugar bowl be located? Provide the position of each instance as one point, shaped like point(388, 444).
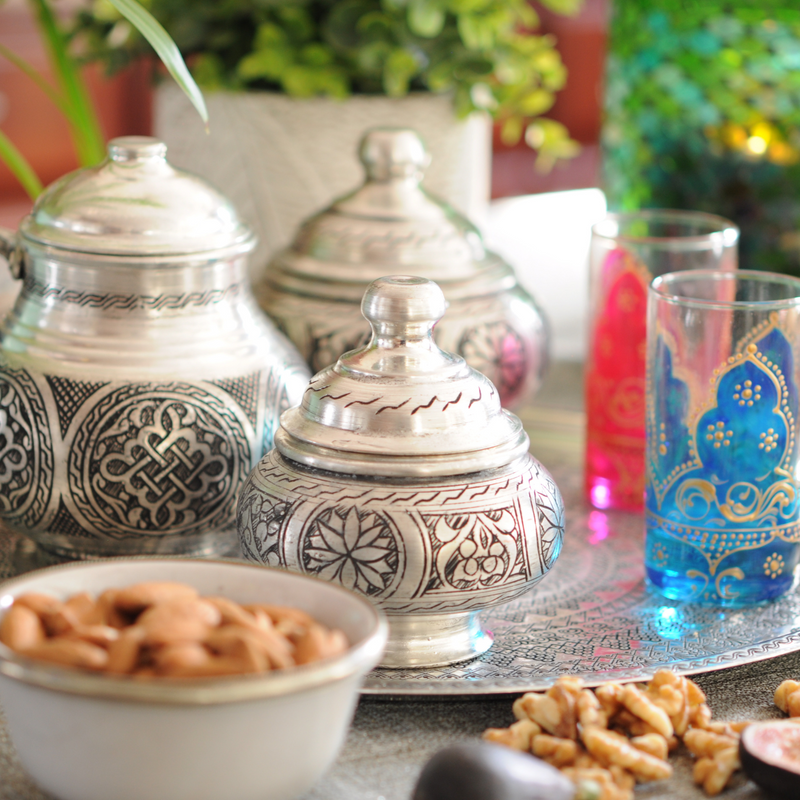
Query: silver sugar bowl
point(401, 477)
point(139, 380)
point(391, 225)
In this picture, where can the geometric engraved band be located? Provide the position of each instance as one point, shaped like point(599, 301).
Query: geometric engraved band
point(26, 450)
point(130, 302)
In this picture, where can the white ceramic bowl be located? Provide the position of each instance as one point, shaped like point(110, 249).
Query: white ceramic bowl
point(86, 736)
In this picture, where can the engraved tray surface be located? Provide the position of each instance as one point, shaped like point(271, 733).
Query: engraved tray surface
point(591, 616)
point(594, 616)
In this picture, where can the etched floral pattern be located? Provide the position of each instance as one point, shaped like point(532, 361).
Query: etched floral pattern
point(359, 551)
point(479, 550)
point(550, 514)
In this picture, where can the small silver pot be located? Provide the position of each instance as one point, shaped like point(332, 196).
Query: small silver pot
point(401, 477)
point(313, 288)
point(139, 381)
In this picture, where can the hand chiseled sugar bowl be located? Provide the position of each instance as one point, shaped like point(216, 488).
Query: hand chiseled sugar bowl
point(401, 477)
point(391, 225)
point(139, 380)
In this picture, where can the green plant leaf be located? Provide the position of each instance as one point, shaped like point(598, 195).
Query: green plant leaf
point(268, 63)
point(536, 102)
point(511, 131)
point(21, 64)
point(299, 81)
point(269, 35)
point(19, 167)
point(398, 70)
point(426, 18)
point(474, 32)
point(297, 22)
point(316, 55)
point(568, 7)
point(467, 6)
point(84, 125)
point(167, 50)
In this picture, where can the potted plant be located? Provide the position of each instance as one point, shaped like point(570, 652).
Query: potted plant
point(282, 141)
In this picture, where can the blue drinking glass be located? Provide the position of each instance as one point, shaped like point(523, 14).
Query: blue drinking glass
point(723, 479)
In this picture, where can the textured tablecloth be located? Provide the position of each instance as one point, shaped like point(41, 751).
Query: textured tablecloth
point(390, 740)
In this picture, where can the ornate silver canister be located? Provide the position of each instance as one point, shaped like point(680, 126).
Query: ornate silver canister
point(313, 289)
point(139, 380)
point(401, 477)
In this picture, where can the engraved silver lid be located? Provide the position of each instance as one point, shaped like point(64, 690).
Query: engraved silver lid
point(400, 406)
point(135, 203)
point(390, 224)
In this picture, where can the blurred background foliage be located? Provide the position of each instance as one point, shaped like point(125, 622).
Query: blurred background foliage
point(702, 111)
point(487, 53)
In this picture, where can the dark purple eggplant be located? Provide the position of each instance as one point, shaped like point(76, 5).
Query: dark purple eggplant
point(770, 755)
point(485, 771)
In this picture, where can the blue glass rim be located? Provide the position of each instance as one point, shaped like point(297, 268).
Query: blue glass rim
point(662, 289)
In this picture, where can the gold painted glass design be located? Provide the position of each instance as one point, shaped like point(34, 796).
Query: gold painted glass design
point(723, 496)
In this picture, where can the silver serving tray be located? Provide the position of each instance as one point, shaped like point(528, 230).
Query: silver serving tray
point(592, 616)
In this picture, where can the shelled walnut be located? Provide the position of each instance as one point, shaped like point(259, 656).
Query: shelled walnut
point(787, 698)
point(618, 735)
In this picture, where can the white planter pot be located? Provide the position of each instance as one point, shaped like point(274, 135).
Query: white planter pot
point(280, 159)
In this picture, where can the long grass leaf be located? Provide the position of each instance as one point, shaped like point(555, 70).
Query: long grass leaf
point(20, 167)
point(28, 69)
point(86, 132)
point(167, 50)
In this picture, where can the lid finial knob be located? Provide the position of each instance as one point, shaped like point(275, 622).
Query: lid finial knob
point(132, 149)
point(403, 305)
point(388, 153)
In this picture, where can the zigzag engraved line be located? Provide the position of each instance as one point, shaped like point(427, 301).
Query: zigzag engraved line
point(433, 400)
point(354, 498)
point(335, 397)
point(363, 402)
point(428, 499)
point(456, 496)
point(478, 494)
point(392, 408)
point(309, 487)
point(453, 402)
point(476, 399)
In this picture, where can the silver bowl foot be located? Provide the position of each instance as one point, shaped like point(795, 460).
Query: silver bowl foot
point(434, 640)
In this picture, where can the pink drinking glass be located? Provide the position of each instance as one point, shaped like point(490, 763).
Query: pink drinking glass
point(627, 251)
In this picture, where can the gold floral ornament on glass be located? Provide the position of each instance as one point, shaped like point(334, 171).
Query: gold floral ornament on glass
point(627, 252)
point(723, 489)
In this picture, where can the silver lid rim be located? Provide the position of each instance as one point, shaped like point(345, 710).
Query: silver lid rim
point(400, 466)
point(241, 245)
